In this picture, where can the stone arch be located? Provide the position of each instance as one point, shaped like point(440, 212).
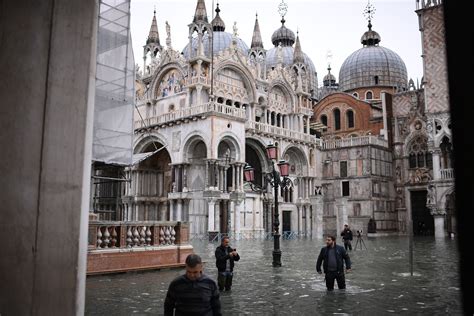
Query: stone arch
point(256, 157)
point(195, 148)
point(280, 84)
point(297, 159)
point(244, 73)
point(168, 69)
point(145, 140)
point(229, 141)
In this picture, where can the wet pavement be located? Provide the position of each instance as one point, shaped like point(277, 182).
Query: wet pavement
point(380, 282)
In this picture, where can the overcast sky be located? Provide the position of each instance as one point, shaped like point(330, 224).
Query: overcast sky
point(325, 26)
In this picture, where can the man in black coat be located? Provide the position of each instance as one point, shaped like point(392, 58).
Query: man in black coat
point(225, 257)
point(193, 293)
point(347, 237)
point(333, 258)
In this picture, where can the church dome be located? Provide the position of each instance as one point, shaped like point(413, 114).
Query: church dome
point(283, 35)
point(287, 53)
point(222, 40)
point(372, 65)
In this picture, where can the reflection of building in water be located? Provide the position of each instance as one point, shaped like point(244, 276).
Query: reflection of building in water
point(357, 148)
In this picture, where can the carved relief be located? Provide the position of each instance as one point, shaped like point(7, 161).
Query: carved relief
point(419, 175)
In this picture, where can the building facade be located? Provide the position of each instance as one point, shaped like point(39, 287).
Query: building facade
point(372, 150)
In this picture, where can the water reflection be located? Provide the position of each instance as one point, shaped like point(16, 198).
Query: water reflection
point(380, 283)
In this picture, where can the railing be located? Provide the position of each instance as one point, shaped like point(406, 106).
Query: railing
point(274, 130)
point(112, 235)
point(217, 237)
point(196, 79)
point(447, 174)
point(354, 141)
point(210, 107)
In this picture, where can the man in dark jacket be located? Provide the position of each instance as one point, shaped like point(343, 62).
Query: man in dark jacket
point(193, 293)
point(333, 257)
point(225, 257)
point(347, 237)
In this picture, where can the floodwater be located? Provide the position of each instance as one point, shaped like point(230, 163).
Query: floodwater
point(380, 282)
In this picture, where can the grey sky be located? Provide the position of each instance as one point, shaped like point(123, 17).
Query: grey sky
point(334, 26)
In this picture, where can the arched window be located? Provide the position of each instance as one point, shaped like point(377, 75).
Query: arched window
point(356, 95)
point(368, 95)
point(446, 153)
point(418, 155)
point(376, 79)
point(324, 120)
point(350, 119)
point(337, 119)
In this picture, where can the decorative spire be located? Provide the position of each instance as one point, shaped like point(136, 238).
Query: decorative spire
point(282, 10)
point(153, 36)
point(370, 38)
point(257, 36)
point(298, 53)
point(201, 14)
point(218, 24)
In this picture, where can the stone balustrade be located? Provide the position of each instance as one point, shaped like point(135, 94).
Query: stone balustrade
point(354, 141)
point(261, 128)
point(447, 174)
point(112, 235)
point(206, 108)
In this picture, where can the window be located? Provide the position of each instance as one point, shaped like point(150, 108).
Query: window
point(376, 79)
point(343, 169)
point(337, 119)
point(446, 153)
point(350, 119)
point(418, 155)
point(345, 188)
point(355, 94)
point(368, 95)
point(324, 120)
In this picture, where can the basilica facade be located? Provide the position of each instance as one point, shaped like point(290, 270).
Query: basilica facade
point(371, 149)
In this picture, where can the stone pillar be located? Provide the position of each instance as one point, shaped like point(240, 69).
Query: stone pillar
point(439, 226)
point(238, 207)
point(317, 204)
point(439, 218)
point(436, 165)
point(342, 217)
point(179, 210)
point(217, 219)
point(211, 221)
point(46, 144)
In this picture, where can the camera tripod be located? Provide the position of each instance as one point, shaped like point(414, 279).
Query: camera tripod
point(360, 241)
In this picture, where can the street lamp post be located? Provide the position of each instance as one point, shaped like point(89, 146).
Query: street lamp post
point(275, 179)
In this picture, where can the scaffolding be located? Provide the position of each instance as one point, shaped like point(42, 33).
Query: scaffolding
point(115, 85)
point(112, 148)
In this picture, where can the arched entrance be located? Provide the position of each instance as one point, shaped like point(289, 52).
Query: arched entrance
point(423, 222)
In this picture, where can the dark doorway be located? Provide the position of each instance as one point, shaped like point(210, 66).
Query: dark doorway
point(423, 223)
point(286, 221)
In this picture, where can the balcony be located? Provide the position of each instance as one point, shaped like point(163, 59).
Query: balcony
point(131, 246)
point(353, 141)
point(447, 174)
point(210, 108)
point(270, 130)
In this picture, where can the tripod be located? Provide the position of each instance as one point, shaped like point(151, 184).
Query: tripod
point(360, 241)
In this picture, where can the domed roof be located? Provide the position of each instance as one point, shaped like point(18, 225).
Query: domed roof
point(372, 65)
point(287, 56)
point(283, 35)
point(222, 40)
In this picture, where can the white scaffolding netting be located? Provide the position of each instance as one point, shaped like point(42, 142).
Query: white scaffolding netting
point(115, 86)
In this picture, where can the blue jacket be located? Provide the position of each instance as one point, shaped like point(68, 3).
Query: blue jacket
point(341, 257)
